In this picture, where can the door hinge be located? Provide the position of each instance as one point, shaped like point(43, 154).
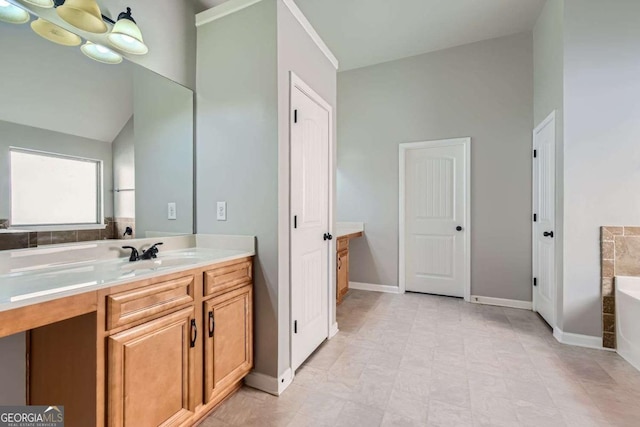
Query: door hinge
point(535, 281)
point(535, 217)
point(295, 326)
point(295, 116)
point(295, 221)
point(535, 153)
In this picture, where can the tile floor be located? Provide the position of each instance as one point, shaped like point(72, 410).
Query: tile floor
point(419, 360)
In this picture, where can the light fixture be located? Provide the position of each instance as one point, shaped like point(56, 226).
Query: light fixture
point(126, 35)
point(53, 33)
point(13, 14)
point(84, 15)
point(100, 53)
point(46, 4)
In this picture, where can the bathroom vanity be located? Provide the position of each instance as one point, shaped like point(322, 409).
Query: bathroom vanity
point(346, 231)
point(149, 343)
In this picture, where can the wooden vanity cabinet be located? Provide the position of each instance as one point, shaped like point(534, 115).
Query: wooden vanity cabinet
point(342, 269)
point(193, 350)
point(164, 351)
point(151, 370)
point(228, 350)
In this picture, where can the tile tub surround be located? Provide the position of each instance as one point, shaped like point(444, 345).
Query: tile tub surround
point(620, 256)
point(421, 360)
point(113, 229)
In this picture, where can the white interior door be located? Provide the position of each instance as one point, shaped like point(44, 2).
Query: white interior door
point(544, 193)
point(310, 129)
point(435, 201)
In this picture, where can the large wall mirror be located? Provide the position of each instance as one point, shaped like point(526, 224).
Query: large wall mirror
point(89, 151)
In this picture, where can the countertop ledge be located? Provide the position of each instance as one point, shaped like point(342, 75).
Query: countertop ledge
point(349, 229)
point(24, 287)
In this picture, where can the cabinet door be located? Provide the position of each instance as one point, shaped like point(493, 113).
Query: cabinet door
point(342, 274)
point(150, 372)
point(229, 340)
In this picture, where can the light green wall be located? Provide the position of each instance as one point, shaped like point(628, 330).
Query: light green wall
point(237, 150)
point(482, 90)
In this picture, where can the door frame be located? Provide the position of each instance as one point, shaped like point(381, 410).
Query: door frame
point(332, 328)
point(534, 259)
point(403, 148)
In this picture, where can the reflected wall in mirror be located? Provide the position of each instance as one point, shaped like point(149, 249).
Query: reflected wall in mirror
point(89, 149)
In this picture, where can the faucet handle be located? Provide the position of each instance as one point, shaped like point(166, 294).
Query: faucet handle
point(135, 256)
point(151, 252)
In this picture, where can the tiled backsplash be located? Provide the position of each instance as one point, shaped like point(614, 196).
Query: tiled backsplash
point(20, 240)
point(620, 256)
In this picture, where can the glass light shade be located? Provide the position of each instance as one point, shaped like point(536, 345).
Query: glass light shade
point(13, 14)
point(100, 53)
point(84, 15)
point(53, 33)
point(127, 37)
point(47, 4)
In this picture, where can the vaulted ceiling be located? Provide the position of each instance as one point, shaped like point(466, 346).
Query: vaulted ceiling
point(366, 32)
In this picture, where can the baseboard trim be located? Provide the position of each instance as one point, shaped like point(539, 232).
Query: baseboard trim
point(373, 287)
point(587, 341)
point(501, 302)
point(269, 384)
point(334, 330)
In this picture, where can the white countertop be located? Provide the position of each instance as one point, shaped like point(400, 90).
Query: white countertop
point(346, 228)
point(27, 286)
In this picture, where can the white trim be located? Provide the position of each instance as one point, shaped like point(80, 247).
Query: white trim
point(297, 82)
point(534, 261)
point(269, 384)
point(578, 340)
point(374, 288)
point(220, 11)
point(333, 330)
point(501, 302)
point(232, 6)
point(403, 147)
point(306, 25)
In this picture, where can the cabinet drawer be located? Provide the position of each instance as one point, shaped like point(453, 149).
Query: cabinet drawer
point(129, 306)
point(343, 243)
point(227, 277)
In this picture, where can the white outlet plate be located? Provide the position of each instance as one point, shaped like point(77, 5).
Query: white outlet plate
point(221, 211)
point(172, 212)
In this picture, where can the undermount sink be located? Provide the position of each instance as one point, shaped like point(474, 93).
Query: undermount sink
point(152, 264)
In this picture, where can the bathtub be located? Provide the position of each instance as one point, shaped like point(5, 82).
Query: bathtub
point(628, 319)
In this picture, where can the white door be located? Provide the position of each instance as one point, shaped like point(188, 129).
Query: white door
point(544, 193)
point(435, 232)
point(309, 224)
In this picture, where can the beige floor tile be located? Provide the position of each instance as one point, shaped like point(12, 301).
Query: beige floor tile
point(357, 415)
point(405, 360)
point(445, 415)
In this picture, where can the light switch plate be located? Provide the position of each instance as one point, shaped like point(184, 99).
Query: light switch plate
point(172, 212)
point(221, 211)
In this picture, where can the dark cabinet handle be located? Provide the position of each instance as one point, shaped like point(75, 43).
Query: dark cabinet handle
point(459, 228)
point(548, 234)
point(194, 333)
point(212, 324)
point(327, 236)
point(339, 263)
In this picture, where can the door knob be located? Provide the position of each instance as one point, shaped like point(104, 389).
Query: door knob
point(459, 228)
point(548, 234)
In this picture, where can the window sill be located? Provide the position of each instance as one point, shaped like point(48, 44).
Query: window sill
point(71, 227)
